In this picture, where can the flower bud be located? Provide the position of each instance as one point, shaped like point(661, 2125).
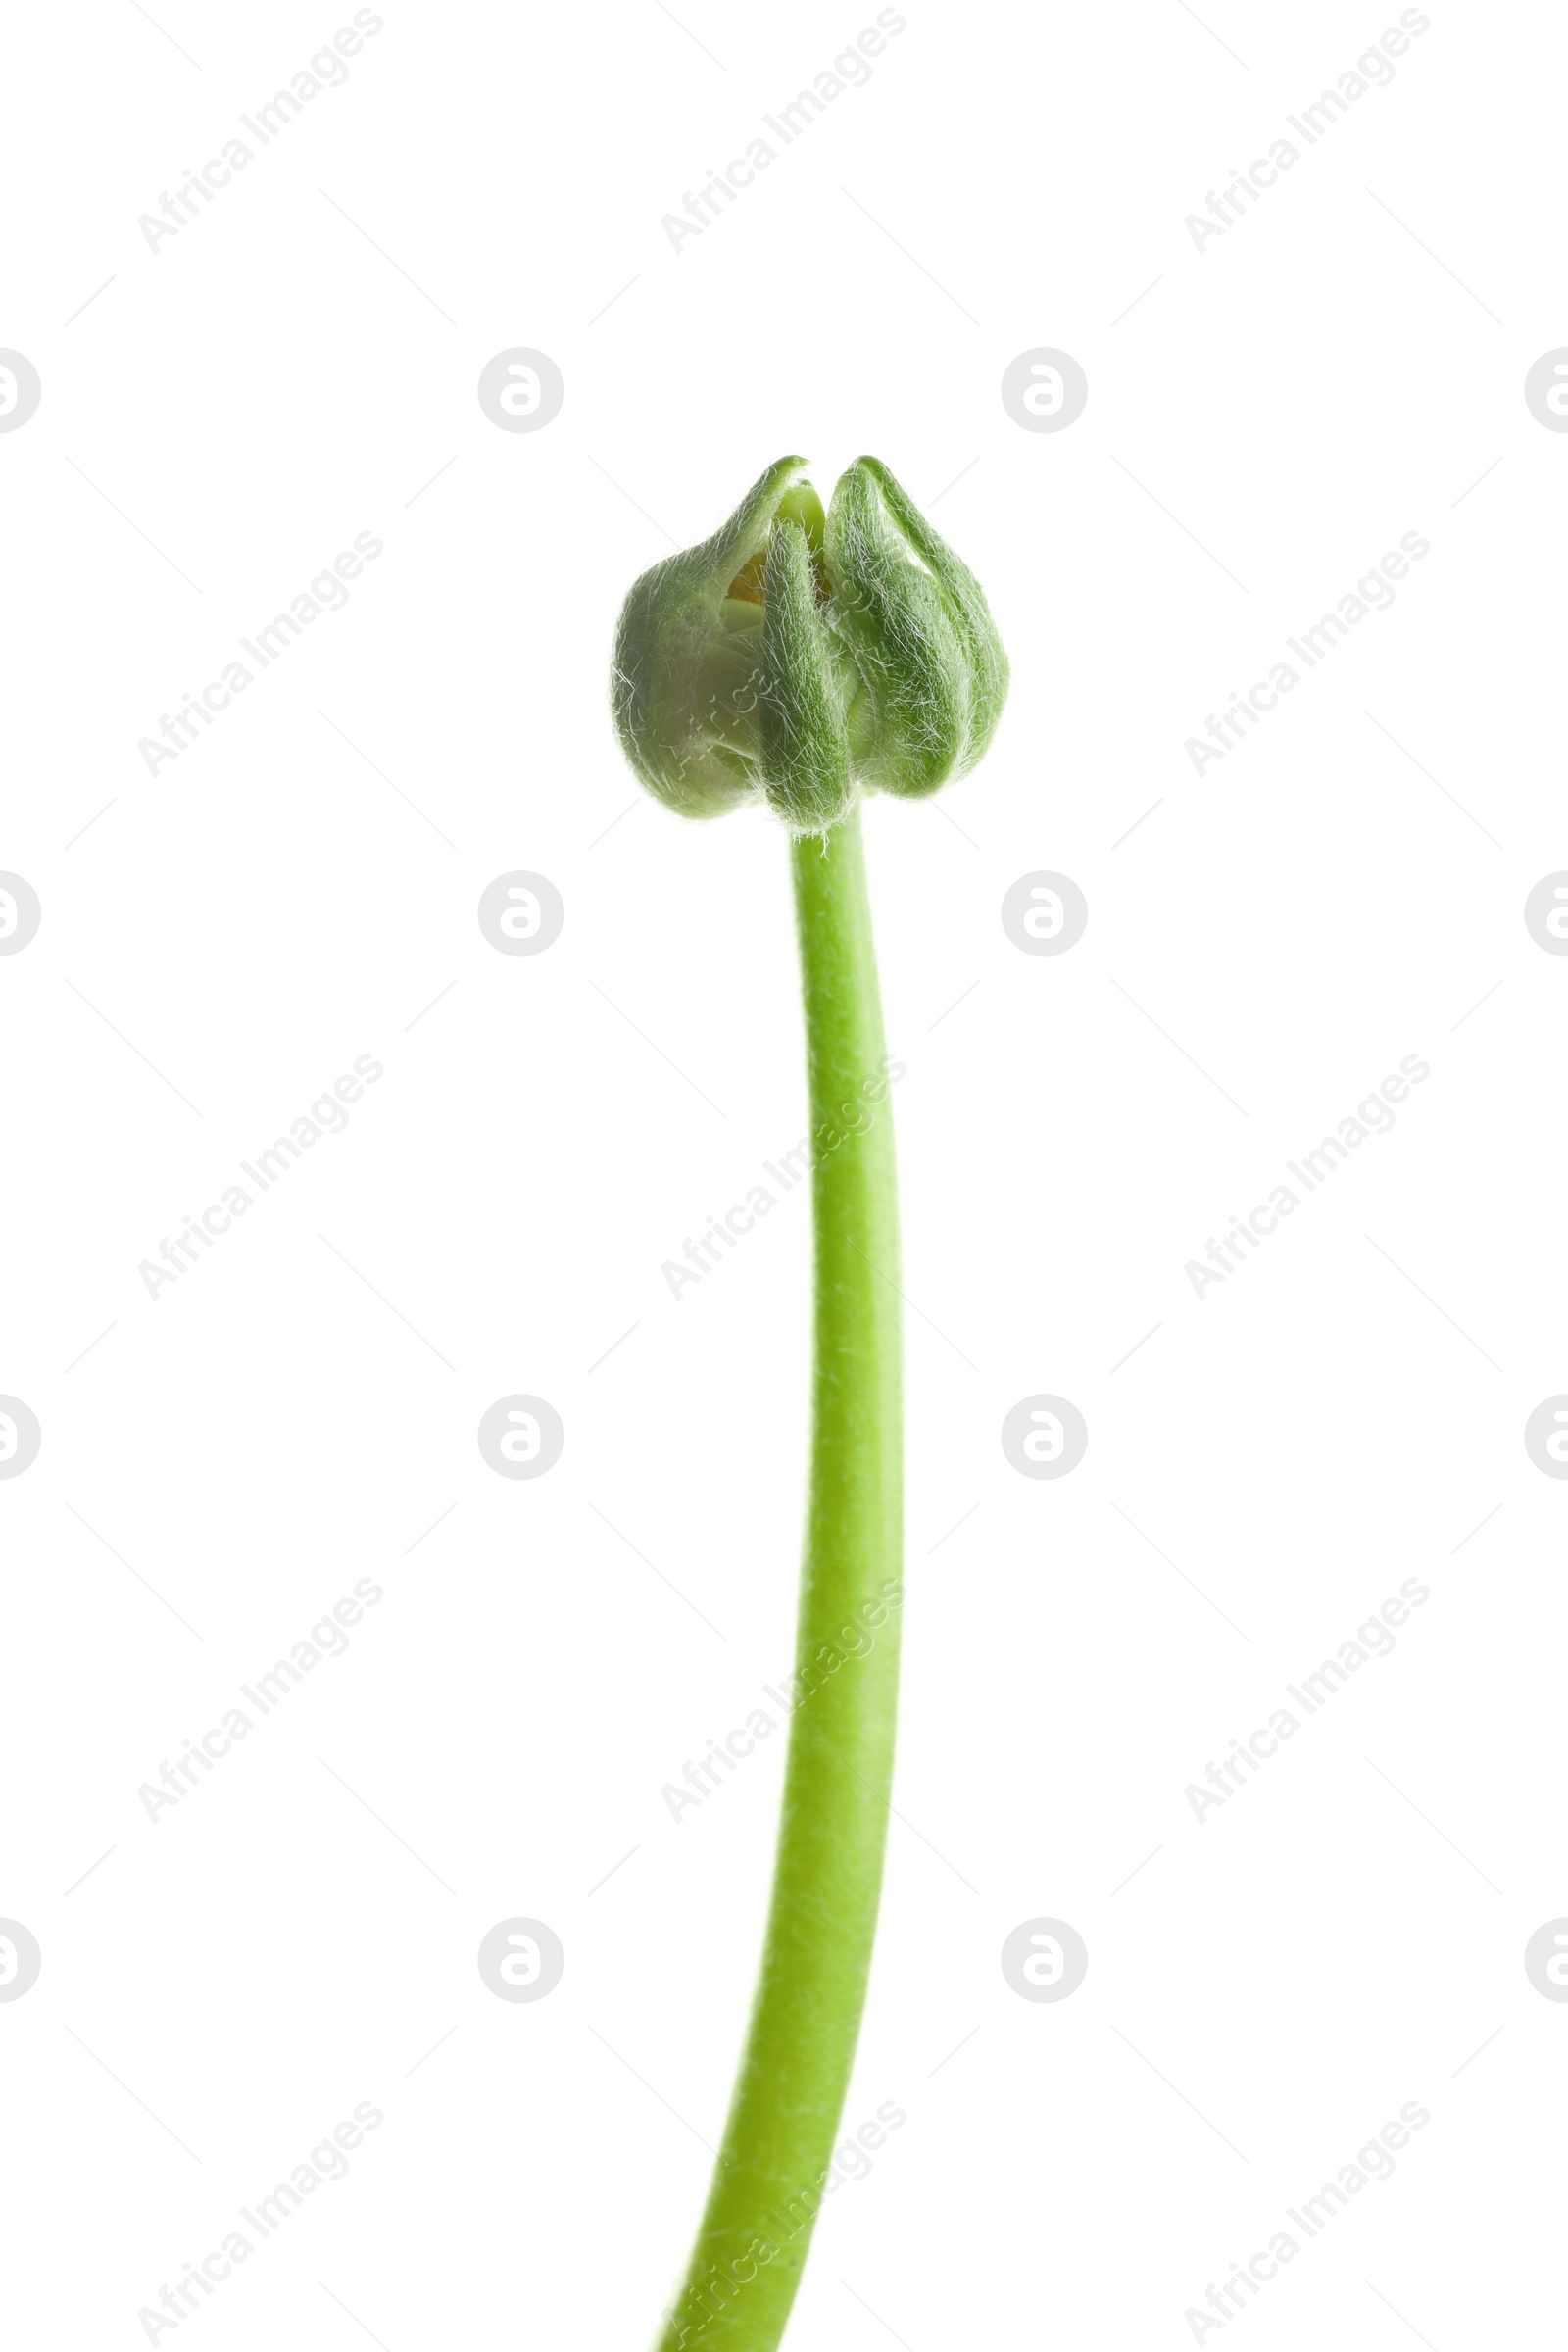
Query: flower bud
point(799, 656)
point(917, 623)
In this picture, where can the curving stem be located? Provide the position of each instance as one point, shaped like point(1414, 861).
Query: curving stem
point(806, 2017)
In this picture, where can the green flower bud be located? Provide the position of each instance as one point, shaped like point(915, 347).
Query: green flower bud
point(799, 656)
point(916, 621)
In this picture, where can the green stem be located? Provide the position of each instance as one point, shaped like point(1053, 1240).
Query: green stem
point(789, 2097)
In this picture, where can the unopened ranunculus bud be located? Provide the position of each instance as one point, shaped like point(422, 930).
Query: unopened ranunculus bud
point(799, 656)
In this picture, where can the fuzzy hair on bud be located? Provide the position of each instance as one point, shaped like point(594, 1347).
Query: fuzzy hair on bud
point(796, 658)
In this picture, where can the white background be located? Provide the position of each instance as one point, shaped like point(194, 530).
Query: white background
point(1341, 367)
